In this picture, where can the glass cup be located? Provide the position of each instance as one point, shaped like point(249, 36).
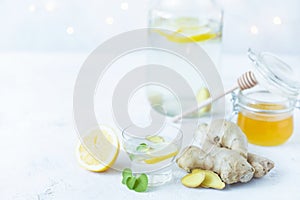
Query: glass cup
point(153, 154)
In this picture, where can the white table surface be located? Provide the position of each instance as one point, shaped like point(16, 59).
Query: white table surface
point(38, 140)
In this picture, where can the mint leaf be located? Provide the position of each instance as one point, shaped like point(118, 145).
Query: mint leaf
point(132, 156)
point(142, 147)
point(141, 183)
point(126, 174)
point(130, 182)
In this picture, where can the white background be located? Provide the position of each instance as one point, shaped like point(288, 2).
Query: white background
point(41, 25)
point(42, 47)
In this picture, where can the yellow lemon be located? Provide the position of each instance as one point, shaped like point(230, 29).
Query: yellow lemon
point(155, 139)
point(167, 152)
point(202, 95)
point(188, 29)
point(158, 159)
point(100, 149)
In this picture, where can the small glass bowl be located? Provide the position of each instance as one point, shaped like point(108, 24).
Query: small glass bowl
point(152, 154)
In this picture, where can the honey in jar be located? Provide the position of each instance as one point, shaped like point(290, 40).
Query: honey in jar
point(266, 127)
point(265, 112)
point(264, 117)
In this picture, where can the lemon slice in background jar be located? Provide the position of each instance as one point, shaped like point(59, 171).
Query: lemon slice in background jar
point(103, 149)
point(202, 95)
point(188, 29)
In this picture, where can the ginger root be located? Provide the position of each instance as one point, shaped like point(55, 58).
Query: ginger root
point(224, 134)
point(224, 150)
point(193, 180)
point(230, 165)
point(261, 165)
point(212, 180)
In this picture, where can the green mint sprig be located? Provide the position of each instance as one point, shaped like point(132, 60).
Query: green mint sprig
point(143, 147)
point(138, 184)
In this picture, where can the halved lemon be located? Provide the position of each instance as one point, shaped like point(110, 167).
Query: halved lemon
point(100, 149)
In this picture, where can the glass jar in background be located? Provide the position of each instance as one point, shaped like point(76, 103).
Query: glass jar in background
point(265, 112)
point(187, 22)
point(199, 20)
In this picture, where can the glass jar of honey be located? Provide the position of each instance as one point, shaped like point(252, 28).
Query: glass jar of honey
point(265, 112)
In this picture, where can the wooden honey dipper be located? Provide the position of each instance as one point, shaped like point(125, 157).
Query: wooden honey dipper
point(246, 81)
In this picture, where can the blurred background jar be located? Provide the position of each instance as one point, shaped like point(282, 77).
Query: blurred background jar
point(199, 20)
point(189, 21)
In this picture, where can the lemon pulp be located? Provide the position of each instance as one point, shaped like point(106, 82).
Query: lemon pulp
point(100, 150)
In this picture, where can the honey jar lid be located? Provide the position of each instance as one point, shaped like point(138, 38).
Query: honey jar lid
point(274, 74)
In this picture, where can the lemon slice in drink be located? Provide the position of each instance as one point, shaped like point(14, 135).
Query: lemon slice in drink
point(155, 139)
point(169, 151)
point(103, 149)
